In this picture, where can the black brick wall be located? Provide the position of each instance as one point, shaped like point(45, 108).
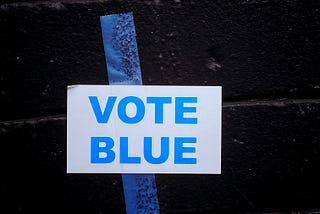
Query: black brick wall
point(265, 54)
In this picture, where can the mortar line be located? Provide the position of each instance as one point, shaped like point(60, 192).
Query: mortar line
point(225, 105)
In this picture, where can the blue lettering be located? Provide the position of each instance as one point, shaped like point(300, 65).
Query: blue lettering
point(158, 105)
point(181, 109)
point(102, 117)
point(148, 150)
point(122, 113)
point(180, 149)
point(124, 152)
point(97, 150)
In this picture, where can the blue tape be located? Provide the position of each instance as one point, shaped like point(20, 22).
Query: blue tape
point(121, 51)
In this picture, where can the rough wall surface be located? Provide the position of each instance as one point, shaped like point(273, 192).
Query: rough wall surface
point(265, 54)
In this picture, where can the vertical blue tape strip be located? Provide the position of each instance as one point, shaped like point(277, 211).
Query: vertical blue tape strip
point(121, 51)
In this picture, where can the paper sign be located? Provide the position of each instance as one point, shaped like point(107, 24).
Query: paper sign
point(144, 129)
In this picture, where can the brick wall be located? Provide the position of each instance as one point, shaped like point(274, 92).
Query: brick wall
point(265, 54)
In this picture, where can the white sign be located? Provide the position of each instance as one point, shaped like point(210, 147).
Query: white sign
point(144, 129)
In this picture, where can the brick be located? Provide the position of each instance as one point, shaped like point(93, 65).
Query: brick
point(270, 162)
point(263, 50)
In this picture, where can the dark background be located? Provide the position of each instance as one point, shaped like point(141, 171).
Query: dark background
point(265, 54)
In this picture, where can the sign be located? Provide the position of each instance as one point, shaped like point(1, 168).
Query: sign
point(144, 129)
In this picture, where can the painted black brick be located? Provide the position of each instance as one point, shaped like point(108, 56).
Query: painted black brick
point(254, 50)
point(257, 51)
point(270, 162)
